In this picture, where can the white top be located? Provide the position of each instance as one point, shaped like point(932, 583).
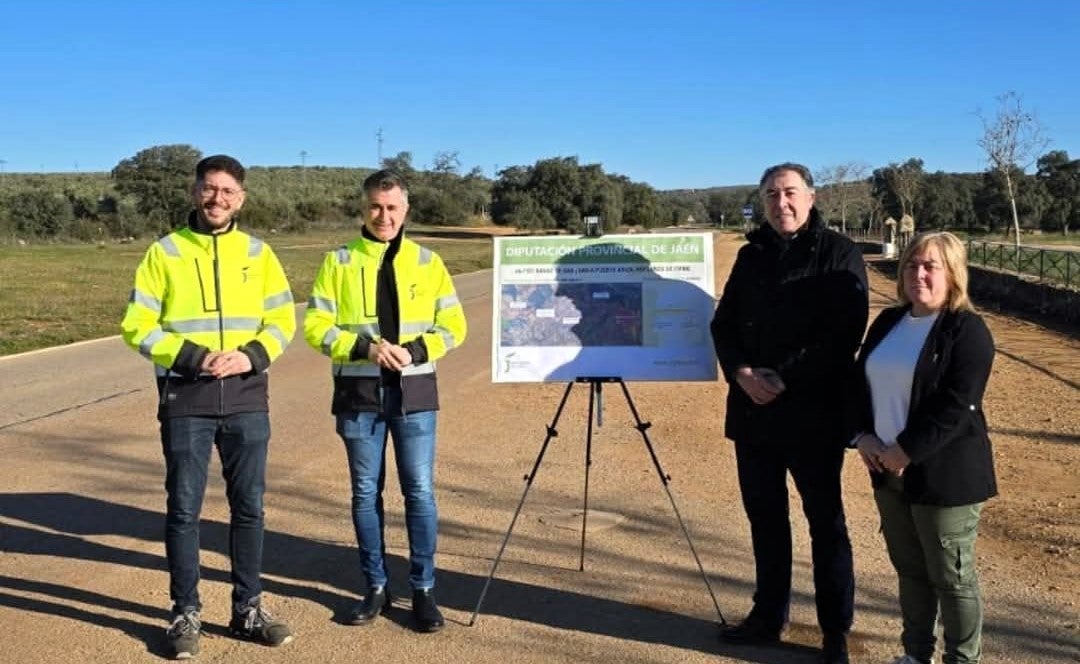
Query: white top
point(890, 369)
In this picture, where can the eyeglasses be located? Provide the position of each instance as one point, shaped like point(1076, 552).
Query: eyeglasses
point(227, 193)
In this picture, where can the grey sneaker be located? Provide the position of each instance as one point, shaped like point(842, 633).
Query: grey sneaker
point(256, 624)
point(183, 634)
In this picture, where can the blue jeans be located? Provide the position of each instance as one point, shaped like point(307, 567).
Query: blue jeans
point(241, 440)
point(413, 434)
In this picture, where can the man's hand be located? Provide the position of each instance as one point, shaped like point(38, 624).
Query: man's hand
point(388, 355)
point(762, 385)
point(222, 364)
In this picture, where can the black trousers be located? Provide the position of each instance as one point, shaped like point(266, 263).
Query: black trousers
point(816, 469)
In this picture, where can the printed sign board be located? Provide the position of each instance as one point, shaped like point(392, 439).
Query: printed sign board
point(636, 307)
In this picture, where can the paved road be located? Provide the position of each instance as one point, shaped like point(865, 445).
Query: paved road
point(42, 383)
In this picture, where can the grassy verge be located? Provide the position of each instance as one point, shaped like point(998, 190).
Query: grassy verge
point(57, 294)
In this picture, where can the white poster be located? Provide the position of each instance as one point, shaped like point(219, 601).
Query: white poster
point(635, 307)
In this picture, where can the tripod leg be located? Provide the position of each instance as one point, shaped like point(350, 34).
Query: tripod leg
point(642, 427)
point(551, 433)
point(594, 395)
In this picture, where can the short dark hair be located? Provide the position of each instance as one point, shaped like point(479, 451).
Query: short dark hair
point(803, 172)
point(385, 180)
point(220, 162)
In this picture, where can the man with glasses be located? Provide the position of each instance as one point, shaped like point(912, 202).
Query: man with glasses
point(211, 308)
point(786, 329)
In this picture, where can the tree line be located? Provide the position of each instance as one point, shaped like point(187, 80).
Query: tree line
point(147, 194)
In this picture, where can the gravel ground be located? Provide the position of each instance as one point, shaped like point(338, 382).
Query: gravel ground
point(82, 565)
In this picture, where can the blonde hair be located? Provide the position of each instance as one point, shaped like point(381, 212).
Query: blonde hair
point(953, 254)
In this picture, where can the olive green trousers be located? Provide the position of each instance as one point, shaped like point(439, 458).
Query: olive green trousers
point(933, 551)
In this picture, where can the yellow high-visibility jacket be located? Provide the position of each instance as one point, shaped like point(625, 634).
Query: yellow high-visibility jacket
point(196, 293)
point(342, 311)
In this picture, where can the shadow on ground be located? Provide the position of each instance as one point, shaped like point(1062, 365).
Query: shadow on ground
point(68, 518)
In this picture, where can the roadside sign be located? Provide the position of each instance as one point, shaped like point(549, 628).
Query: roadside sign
point(748, 212)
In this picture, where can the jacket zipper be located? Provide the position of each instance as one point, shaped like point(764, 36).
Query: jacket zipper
point(221, 322)
point(401, 374)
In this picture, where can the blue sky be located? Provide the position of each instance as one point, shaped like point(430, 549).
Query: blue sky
point(676, 94)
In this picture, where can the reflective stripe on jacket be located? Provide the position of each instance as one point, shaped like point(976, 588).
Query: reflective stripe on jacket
point(196, 293)
point(342, 310)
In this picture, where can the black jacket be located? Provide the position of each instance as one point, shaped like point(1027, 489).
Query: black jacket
point(799, 307)
point(945, 436)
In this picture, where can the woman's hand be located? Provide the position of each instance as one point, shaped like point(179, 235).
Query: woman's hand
point(871, 450)
point(895, 459)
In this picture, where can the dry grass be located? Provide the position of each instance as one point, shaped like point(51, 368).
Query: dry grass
point(57, 294)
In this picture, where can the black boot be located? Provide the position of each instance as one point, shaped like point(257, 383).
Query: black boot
point(834, 649)
point(425, 613)
point(751, 631)
point(366, 610)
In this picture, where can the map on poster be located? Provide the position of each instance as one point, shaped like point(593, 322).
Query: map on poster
point(636, 307)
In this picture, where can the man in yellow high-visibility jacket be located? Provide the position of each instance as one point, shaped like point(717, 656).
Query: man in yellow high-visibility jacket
point(211, 308)
point(383, 309)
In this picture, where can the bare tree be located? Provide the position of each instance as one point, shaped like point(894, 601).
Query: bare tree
point(905, 180)
point(859, 196)
point(826, 199)
point(1012, 140)
point(841, 187)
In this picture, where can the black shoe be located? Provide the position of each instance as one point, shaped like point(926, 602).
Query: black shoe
point(834, 649)
point(425, 613)
point(183, 634)
point(375, 601)
point(255, 623)
point(749, 632)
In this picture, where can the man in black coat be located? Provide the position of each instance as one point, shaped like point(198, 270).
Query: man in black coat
point(786, 330)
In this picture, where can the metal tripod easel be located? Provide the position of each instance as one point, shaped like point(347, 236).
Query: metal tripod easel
point(595, 406)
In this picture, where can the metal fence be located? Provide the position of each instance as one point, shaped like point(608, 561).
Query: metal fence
point(900, 240)
point(1058, 266)
point(1054, 266)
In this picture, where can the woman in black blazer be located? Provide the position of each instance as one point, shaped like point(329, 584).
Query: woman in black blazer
point(922, 434)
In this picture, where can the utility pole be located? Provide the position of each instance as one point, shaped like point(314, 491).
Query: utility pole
point(303, 169)
point(2, 162)
point(378, 143)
